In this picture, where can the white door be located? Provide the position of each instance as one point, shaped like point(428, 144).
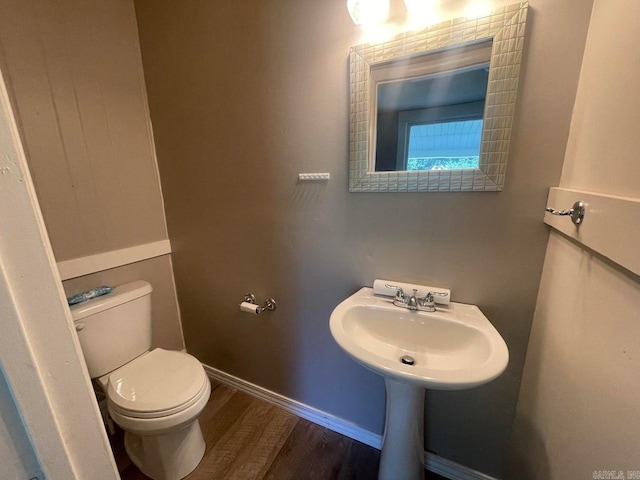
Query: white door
point(50, 426)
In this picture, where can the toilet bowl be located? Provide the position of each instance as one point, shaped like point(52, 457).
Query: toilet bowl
point(156, 399)
point(155, 395)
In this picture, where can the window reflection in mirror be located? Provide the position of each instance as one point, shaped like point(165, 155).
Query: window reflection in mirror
point(427, 120)
point(445, 145)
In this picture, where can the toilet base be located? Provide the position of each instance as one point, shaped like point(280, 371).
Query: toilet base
point(170, 456)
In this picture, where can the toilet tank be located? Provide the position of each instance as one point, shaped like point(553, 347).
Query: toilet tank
point(115, 328)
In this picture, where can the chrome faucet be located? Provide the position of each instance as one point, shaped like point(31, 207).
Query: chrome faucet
point(399, 299)
point(426, 304)
point(412, 301)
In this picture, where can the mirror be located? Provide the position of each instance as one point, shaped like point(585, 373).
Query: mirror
point(431, 110)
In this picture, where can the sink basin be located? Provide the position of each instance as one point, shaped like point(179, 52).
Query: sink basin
point(452, 348)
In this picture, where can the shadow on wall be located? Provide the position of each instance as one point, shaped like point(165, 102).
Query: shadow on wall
point(522, 465)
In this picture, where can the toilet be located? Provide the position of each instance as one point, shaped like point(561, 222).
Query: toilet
point(155, 395)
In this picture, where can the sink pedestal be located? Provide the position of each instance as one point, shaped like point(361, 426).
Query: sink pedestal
point(402, 456)
point(415, 350)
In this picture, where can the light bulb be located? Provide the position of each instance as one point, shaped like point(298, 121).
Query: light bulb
point(422, 13)
point(368, 12)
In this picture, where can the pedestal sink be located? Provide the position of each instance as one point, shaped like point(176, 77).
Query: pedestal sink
point(450, 349)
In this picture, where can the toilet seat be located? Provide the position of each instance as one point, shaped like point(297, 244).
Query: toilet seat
point(157, 384)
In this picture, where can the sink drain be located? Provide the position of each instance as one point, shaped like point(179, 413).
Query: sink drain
point(407, 360)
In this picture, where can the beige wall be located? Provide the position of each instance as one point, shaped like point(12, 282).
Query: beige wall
point(73, 69)
point(164, 308)
point(578, 410)
point(74, 73)
point(245, 95)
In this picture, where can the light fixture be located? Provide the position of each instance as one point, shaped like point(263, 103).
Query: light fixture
point(368, 12)
point(418, 6)
point(422, 13)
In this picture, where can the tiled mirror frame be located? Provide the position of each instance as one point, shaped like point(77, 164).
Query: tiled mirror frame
point(505, 27)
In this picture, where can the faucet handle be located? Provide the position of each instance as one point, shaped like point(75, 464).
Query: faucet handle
point(428, 299)
point(399, 291)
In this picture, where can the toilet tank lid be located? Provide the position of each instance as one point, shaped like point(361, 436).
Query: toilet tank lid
point(121, 294)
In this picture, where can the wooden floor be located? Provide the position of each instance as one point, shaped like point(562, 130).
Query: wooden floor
point(248, 438)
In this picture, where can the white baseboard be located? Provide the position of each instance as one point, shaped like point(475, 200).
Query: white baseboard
point(452, 470)
point(433, 463)
point(301, 410)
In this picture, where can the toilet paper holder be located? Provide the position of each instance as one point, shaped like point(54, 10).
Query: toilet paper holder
point(269, 303)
